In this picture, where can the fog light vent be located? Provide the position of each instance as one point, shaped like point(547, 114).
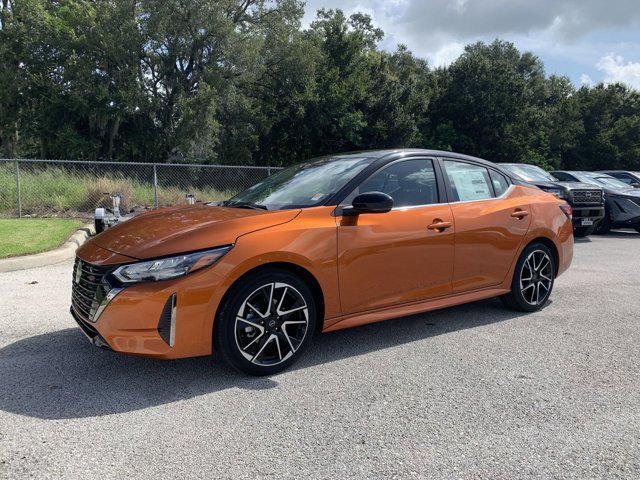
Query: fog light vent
point(167, 322)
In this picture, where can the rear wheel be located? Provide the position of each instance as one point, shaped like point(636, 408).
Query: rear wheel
point(266, 323)
point(583, 231)
point(532, 279)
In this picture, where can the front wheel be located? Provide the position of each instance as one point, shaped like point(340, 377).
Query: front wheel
point(266, 323)
point(532, 279)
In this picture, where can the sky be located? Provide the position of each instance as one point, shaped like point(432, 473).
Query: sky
point(590, 41)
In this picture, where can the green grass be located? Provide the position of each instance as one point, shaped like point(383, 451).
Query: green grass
point(34, 235)
point(49, 191)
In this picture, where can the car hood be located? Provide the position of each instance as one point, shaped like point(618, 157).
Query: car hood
point(631, 192)
point(579, 186)
point(187, 228)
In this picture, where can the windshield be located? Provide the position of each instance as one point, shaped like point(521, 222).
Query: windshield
point(530, 173)
point(303, 185)
point(606, 181)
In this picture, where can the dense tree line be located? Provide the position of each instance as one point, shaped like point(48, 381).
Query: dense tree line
point(241, 82)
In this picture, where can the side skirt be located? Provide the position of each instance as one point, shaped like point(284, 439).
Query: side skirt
point(362, 318)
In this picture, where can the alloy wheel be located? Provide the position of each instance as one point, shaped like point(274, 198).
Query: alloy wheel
point(536, 278)
point(271, 324)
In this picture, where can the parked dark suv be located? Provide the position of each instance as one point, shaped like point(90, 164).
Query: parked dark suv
point(586, 199)
point(630, 178)
point(622, 209)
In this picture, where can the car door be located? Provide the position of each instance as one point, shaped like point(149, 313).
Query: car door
point(401, 256)
point(491, 220)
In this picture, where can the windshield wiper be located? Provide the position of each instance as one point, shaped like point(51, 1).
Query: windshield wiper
point(253, 206)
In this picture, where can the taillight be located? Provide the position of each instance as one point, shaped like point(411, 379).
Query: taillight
point(567, 210)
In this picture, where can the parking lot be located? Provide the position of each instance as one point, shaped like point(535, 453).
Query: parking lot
point(469, 392)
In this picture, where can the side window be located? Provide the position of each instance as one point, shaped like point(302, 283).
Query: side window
point(624, 178)
point(500, 184)
point(563, 177)
point(468, 181)
point(409, 183)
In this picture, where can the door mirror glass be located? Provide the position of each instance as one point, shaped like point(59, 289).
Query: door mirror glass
point(370, 202)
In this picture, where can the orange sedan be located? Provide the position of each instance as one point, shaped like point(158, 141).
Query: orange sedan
point(331, 243)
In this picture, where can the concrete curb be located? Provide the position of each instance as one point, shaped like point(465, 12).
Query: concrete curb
point(60, 254)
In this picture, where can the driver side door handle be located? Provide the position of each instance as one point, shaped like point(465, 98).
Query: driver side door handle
point(519, 214)
point(439, 226)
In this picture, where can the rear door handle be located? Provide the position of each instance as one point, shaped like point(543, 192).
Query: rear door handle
point(519, 214)
point(439, 226)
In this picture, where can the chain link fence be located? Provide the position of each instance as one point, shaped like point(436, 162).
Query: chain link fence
point(67, 188)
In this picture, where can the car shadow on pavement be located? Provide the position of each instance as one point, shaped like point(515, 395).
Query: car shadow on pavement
point(582, 240)
point(621, 234)
point(61, 375)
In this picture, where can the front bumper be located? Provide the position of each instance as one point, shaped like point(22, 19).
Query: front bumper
point(136, 321)
point(589, 213)
point(89, 331)
point(624, 212)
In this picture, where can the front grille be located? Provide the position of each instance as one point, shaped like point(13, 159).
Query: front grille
point(587, 197)
point(88, 289)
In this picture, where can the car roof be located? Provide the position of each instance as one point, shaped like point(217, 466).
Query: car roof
point(583, 172)
point(515, 163)
point(399, 152)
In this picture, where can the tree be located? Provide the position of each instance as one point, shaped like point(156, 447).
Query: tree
point(610, 138)
point(240, 81)
point(489, 103)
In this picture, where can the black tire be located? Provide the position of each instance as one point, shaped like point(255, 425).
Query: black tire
point(583, 231)
point(520, 297)
point(241, 331)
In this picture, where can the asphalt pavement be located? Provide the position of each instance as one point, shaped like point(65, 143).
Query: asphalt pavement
point(471, 392)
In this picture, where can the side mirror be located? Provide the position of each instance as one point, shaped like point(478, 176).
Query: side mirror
point(635, 185)
point(369, 202)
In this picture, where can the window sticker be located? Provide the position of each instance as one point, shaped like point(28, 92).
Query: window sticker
point(469, 181)
point(472, 186)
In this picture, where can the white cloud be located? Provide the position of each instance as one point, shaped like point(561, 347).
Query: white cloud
point(617, 70)
point(586, 80)
point(459, 6)
point(571, 36)
point(446, 54)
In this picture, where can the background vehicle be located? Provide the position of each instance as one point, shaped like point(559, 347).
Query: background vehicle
point(622, 200)
point(585, 198)
point(630, 178)
point(324, 245)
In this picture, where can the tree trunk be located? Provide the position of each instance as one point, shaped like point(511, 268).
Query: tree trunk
point(9, 141)
point(113, 131)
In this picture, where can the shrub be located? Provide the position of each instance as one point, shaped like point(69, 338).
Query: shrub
point(48, 191)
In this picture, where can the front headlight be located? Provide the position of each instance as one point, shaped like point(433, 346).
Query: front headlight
point(170, 267)
point(555, 191)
